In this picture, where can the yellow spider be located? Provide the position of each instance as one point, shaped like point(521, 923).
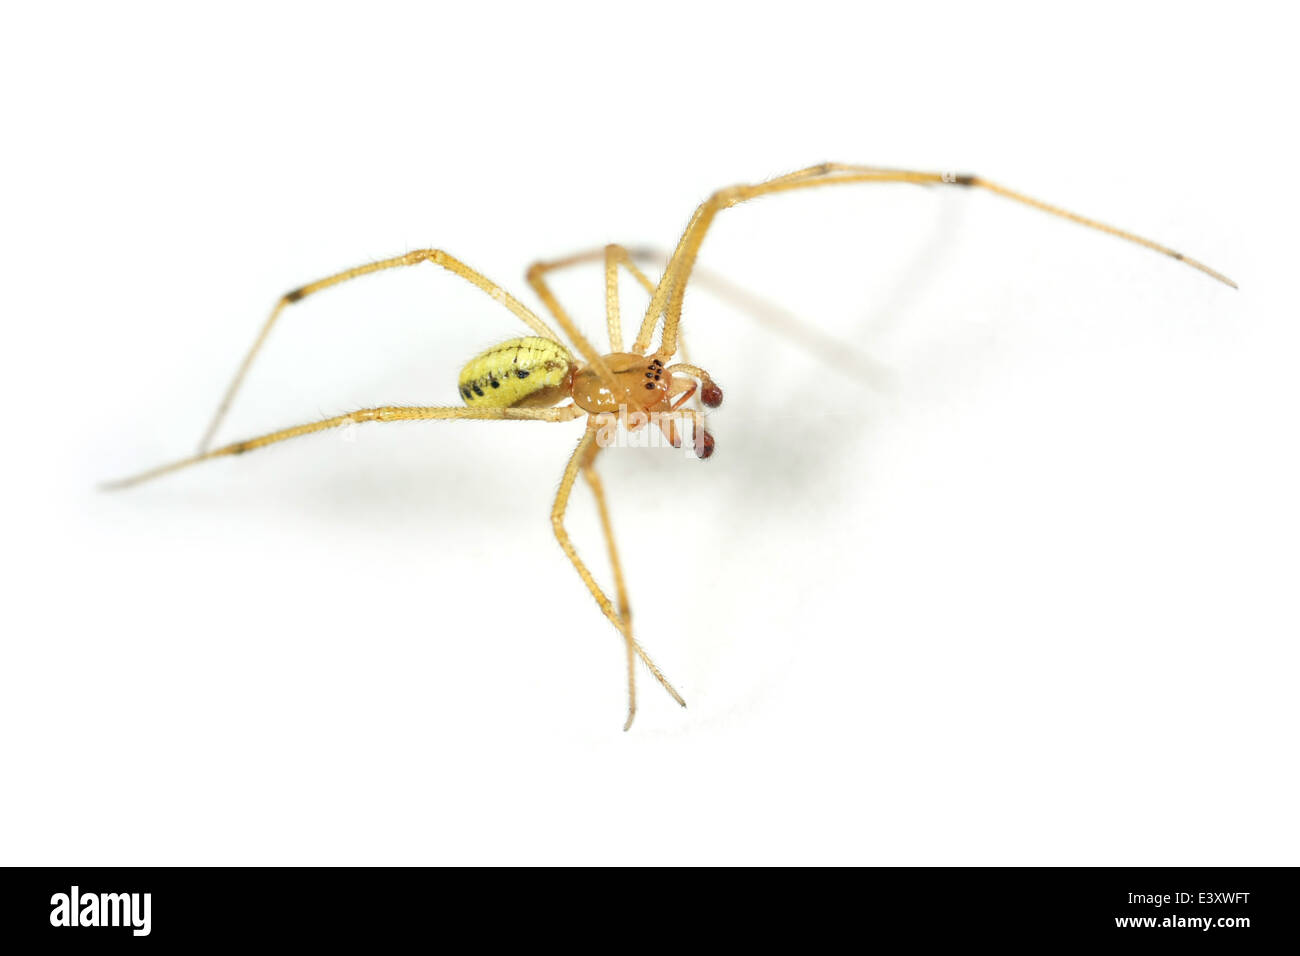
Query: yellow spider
point(528, 378)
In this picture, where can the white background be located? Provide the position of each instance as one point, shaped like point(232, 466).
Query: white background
point(1025, 594)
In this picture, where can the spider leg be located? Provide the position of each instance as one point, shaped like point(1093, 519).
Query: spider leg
point(386, 413)
point(822, 169)
point(613, 256)
point(612, 259)
point(843, 357)
point(620, 588)
point(667, 298)
point(581, 459)
point(436, 256)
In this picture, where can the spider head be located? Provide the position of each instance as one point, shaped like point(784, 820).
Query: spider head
point(639, 383)
point(643, 390)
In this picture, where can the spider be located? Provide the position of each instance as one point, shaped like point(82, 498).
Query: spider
point(528, 378)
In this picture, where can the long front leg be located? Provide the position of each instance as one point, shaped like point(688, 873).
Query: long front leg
point(436, 256)
point(581, 459)
point(385, 413)
point(667, 298)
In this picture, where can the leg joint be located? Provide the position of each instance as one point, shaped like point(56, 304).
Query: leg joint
point(724, 198)
point(423, 255)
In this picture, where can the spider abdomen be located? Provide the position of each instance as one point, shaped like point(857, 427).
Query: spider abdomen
point(529, 372)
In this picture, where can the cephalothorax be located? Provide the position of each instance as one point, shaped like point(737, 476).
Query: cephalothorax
point(533, 372)
point(538, 378)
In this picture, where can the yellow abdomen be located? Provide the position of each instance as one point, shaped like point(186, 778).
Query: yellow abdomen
point(529, 372)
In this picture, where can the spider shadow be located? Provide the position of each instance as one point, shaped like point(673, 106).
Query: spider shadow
point(794, 446)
